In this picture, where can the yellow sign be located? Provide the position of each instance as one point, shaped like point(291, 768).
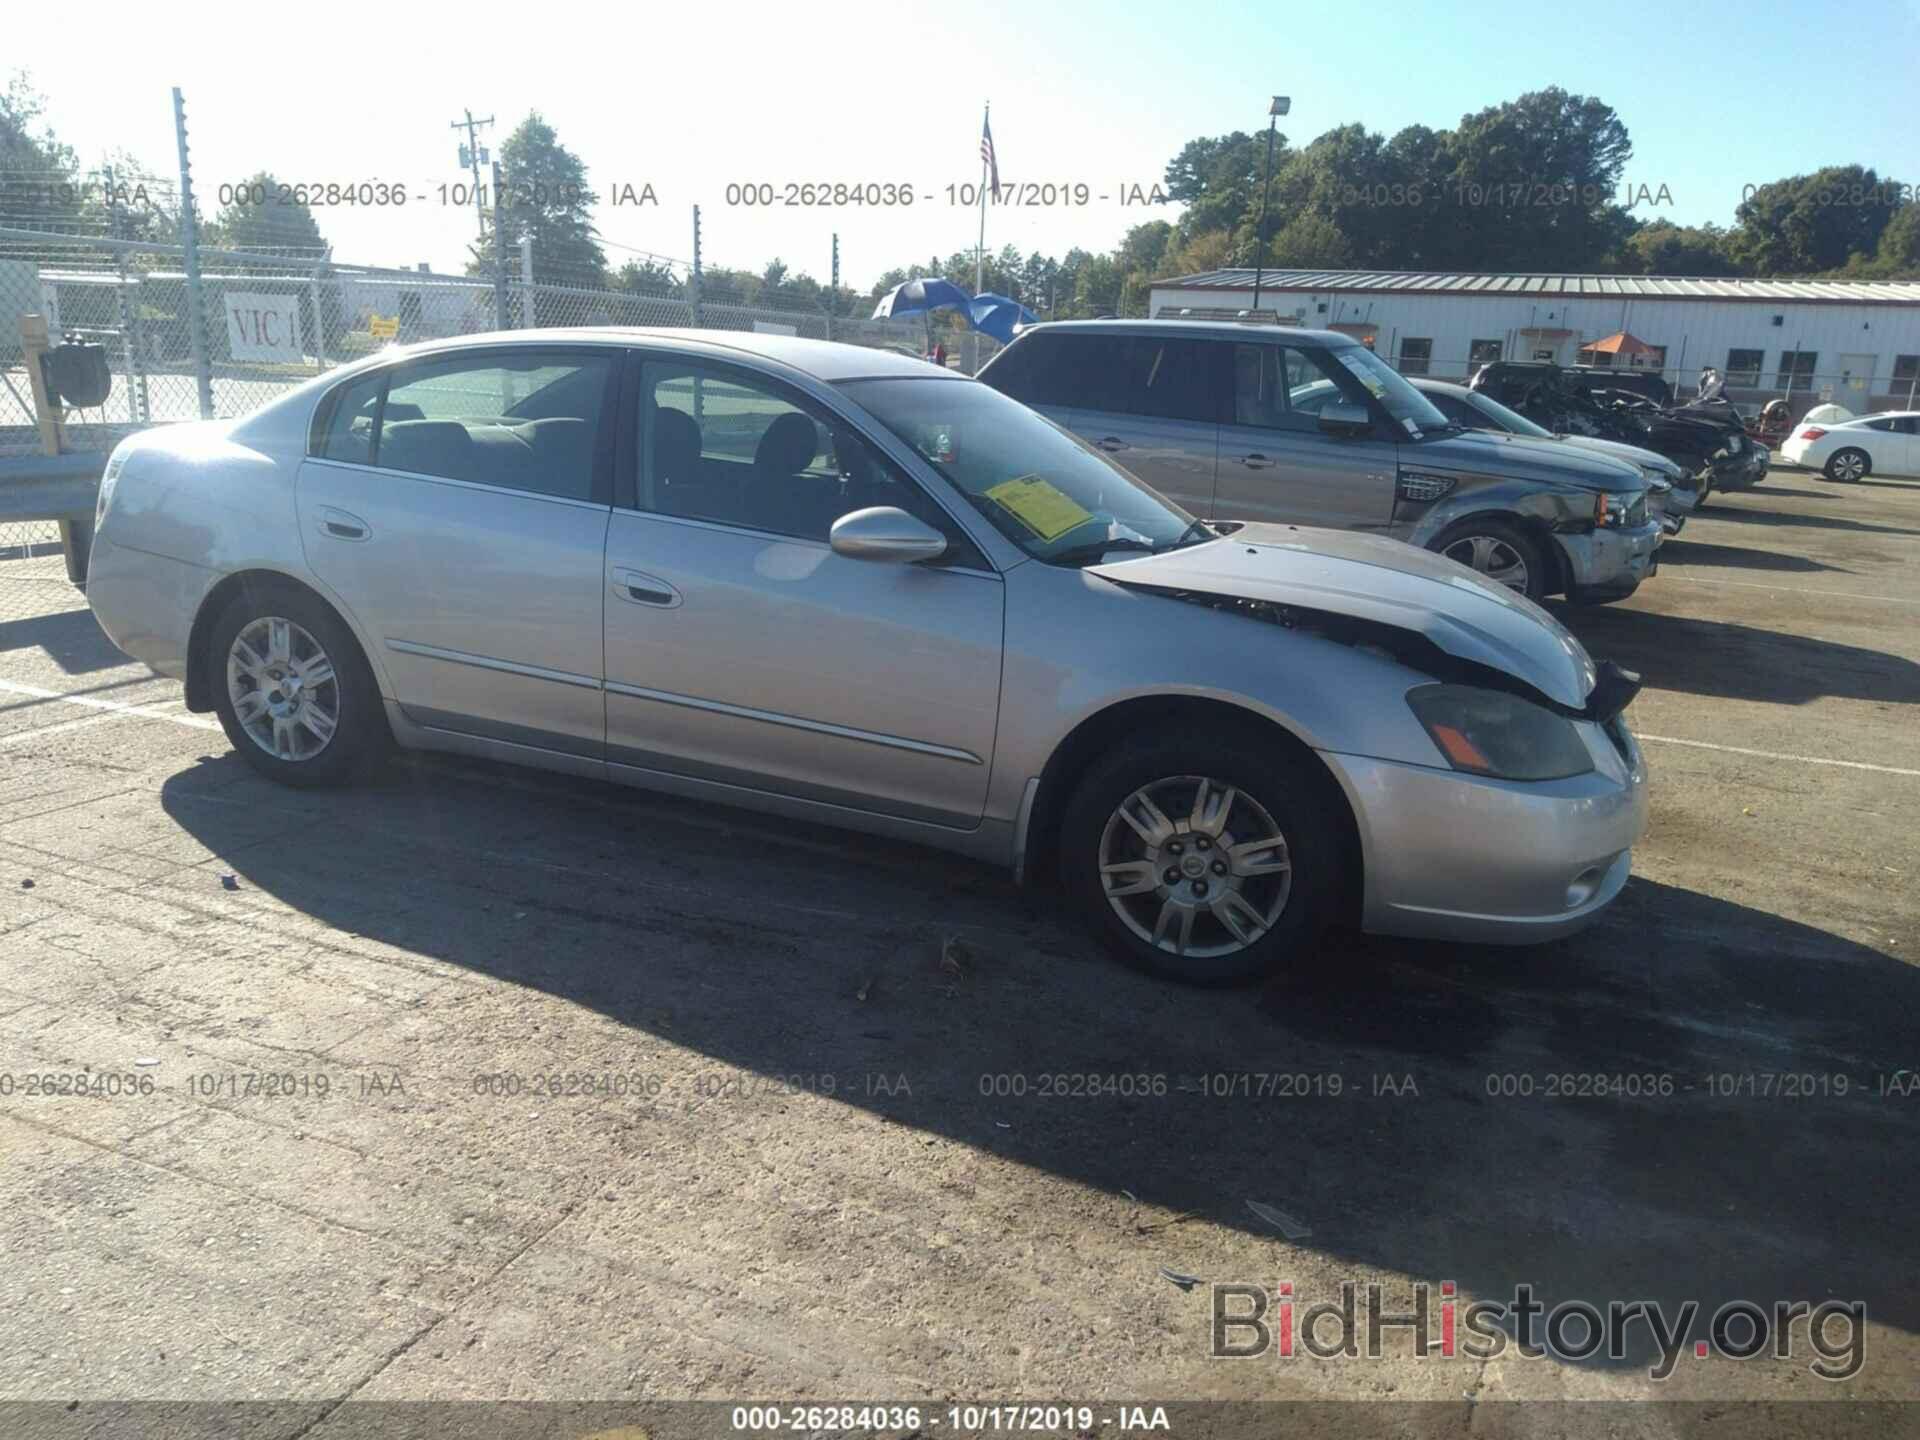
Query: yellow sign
point(1043, 508)
point(382, 328)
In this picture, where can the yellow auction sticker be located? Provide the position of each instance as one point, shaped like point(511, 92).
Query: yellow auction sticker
point(1043, 508)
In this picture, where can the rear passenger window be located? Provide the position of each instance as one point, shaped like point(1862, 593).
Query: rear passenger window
point(519, 421)
point(349, 432)
point(1170, 379)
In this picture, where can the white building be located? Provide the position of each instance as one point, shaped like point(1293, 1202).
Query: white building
point(1855, 342)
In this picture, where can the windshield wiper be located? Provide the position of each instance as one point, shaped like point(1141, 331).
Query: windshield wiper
point(1195, 532)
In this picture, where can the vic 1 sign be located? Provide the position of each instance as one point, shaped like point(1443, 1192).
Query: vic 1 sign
point(263, 327)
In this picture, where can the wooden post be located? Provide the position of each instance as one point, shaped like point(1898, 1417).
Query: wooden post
point(47, 413)
point(76, 531)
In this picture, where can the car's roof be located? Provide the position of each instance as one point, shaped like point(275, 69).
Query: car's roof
point(1211, 329)
point(823, 359)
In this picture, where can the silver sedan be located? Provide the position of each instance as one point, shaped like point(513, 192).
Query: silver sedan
point(836, 585)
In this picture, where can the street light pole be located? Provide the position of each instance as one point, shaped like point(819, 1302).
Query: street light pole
point(1281, 104)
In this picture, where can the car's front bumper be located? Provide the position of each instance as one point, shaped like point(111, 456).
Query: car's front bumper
point(1453, 856)
point(1605, 564)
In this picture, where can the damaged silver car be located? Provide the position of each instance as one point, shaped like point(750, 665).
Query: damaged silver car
point(836, 585)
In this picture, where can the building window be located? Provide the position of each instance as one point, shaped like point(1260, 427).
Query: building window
point(1483, 352)
point(1906, 377)
point(1415, 356)
point(1743, 366)
point(1796, 368)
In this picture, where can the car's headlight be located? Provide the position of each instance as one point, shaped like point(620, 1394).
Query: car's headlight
point(116, 462)
point(1486, 732)
point(1619, 510)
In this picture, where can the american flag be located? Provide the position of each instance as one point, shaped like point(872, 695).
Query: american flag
point(986, 153)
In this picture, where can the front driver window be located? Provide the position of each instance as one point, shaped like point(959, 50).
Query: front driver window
point(719, 445)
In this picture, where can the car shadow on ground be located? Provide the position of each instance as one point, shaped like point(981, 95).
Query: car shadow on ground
point(1699, 552)
point(1801, 520)
point(72, 639)
point(1739, 662)
point(1548, 1117)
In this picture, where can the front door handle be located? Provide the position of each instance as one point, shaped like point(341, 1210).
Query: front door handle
point(643, 589)
point(338, 524)
point(1111, 442)
point(1255, 461)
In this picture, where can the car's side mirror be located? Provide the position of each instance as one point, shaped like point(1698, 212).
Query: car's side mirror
point(885, 532)
point(1345, 419)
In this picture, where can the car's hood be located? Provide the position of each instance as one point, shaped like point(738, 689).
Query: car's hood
point(1382, 582)
point(1494, 452)
point(1633, 454)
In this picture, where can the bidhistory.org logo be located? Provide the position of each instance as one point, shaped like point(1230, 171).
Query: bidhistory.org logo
point(1251, 1321)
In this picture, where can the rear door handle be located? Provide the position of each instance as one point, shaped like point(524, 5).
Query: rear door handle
point(644, 589)
point(1255, 461)
point(1111, 442)
point(341, 524)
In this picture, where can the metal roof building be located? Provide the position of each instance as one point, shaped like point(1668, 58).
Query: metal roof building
point(1854, 341)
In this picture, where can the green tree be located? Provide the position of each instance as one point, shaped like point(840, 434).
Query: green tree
point(1809, 224)
point(1663, 248)
point(262, 218)
point(1898, 255)
point(39, 174)
point(546, 197)
point(1534, 182)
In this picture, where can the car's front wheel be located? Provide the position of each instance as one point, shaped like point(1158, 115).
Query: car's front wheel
point(1849, 464)
point(1499, 551)
point(293, 692)
point(1202, 858)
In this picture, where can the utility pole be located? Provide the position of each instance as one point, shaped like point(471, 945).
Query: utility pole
point(473, 157)
point(1281, 104)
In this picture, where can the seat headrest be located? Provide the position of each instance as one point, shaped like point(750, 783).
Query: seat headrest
point(429, 446)
point(676, 444)
point(788, 446)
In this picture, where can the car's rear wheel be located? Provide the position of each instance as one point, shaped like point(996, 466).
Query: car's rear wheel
point(1849, 464)
point(1499, 551)
point(1201, 858)
point(292, 690)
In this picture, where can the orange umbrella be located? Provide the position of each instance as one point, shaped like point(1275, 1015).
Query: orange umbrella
point(1622, 343)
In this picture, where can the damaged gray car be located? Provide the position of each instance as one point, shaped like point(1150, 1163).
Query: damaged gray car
point(838, 586)
point(1310, 427)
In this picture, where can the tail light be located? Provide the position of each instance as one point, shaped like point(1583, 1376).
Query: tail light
point(1812, 432)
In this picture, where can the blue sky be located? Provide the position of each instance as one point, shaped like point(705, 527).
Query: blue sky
point(689, 99)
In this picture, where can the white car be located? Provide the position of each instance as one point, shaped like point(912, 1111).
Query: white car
point(1885, 444)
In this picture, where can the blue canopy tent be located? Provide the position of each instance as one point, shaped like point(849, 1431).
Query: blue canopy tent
point(997, 315)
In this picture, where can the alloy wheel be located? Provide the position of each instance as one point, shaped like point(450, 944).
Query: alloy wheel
point(284, 689)
point(1848, 465)
point(1493, 558)
point(1210, 882)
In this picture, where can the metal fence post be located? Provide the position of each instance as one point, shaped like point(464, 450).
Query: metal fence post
point(694, 284)
point(529, 301)
point(499, 255)
point(129, 354)
point(190, 243)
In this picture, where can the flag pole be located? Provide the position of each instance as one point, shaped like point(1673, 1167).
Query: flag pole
point(980, 248)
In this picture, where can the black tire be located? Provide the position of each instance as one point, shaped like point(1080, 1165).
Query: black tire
point(1841, 465)
point(360, 739)
point(1297, 802)
point(1541, 576)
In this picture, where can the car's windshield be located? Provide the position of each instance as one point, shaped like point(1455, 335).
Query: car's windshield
point(1414, 412)
point(1511, 421)
point(1055, 498)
